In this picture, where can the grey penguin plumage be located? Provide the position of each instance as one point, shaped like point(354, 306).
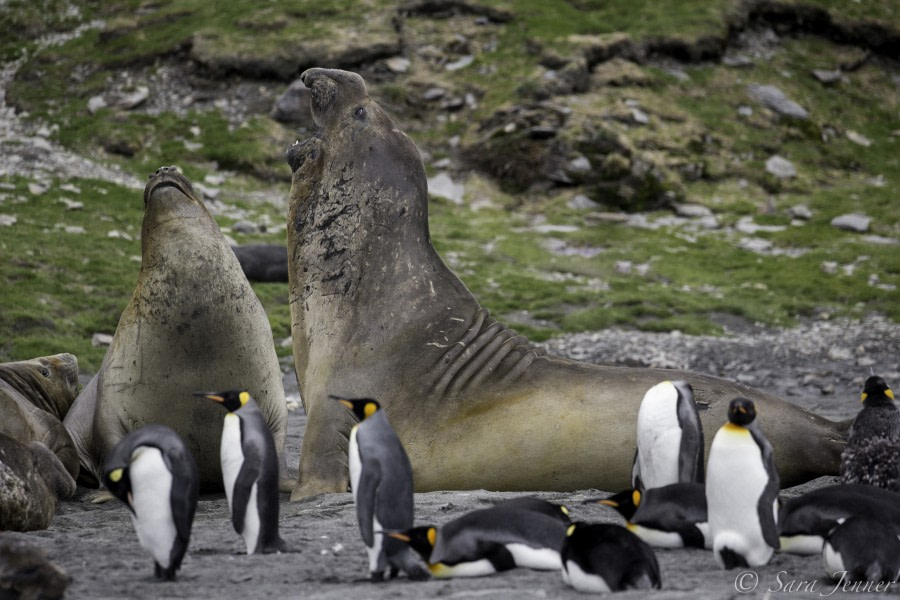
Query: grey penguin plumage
point(520, 532)
point(742, 491)
point(804, 522)
point(672, 516)
point(669, 437)
point(872, 453)
point(602, 557)
point(151, 470)
point(381, 480)
point(249, 471)
point(862, 548)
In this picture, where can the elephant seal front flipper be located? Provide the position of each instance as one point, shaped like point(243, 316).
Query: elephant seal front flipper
point(376, 313)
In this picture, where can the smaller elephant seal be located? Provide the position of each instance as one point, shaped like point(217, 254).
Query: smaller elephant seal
point(192, 323)
point(266, 263)
point(35, 396)
point(31, 481)
point(26, 572)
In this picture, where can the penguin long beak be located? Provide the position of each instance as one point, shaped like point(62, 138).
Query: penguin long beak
point(345, 403)
point(209, 396)
point(612, 503)
point(400, 536)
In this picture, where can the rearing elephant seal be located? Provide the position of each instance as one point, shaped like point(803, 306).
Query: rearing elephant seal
point(193, 323)
point(376, 313)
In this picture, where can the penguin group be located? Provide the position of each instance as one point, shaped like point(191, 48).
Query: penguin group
point(153, 472)
point(726, 502)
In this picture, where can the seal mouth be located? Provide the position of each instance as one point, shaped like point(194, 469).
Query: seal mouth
point(166, 177)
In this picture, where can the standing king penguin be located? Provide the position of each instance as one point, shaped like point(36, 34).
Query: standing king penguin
point(249, 471)
point(872, 453)
point(602, 557)
point(669, 437)
point(742, 491)
point(381, 480)
point(154, 474)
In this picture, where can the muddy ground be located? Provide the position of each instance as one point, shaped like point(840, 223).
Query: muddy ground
point(97, 545)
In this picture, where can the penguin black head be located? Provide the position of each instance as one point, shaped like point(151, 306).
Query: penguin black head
point(421, 539)
point(115, 479)
point(876, 391)
point(625, 503)
point(741, 412)
point(232, 400)
point(361, 407)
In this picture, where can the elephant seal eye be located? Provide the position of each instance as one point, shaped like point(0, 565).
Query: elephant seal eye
point(45, 371)
point(360, 113)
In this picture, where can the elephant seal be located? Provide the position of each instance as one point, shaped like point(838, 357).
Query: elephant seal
point(35, 396)
point(376, 313)
point(26, 572)
point(266, 263)
point(32, 479)
point(193, 323)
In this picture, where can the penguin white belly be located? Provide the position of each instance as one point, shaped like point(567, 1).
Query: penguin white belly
point(659, 442)
point(834, 564)
point(375, 551)
point(151, 499)
point(735, 480)
point(231, 454)
point(355, 463)
point(801, 544)
point(584, 582)
point(656, 537)
point(542, 559)
point(476, 568)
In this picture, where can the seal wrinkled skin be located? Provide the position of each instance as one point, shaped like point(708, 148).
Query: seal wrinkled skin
point(376, 313)
point(193, 323)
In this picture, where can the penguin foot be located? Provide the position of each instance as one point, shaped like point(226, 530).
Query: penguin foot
point(376, 577)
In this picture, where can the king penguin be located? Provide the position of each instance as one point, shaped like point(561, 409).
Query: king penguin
point(602, 557)
point(155, 475)
point(381, 480)
point(862, 548)
point(669, 437)
point(249, 471)
point(519, 532)
point(804, 522)
point(672, 516)
point(742, 491)
point(872, 453)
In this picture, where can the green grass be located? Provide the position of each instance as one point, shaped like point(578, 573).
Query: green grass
point(63, 287)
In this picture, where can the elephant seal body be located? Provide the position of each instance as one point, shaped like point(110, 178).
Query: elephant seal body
point(35, 396)
point(376, 313)
point(32, 479)
point(193, 323)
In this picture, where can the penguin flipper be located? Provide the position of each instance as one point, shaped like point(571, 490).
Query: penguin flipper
point(690, 455)
point(240, 495)
point(767, 507)
point(185, 489)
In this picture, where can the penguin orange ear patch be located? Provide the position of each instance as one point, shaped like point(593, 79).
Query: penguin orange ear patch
point(570, 530)
point(636, 497)
point(244, 396)
point(370, 409)
point(115, 476)
point(432, 536)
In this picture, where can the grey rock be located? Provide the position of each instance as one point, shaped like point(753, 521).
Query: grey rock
point(244, 227)
point(442, 186)
point(745, 111)
point(75, 229)
point(829, 267)
point(462, 63)
point(96, 103)
point(132, 100)
point(579, 164)
point(293, 105)
point(605, 217)
point(881, 240)
point(434, 93)
point(780, 167)
point(800, 211)
point(623, 267)
point(757, 245)
point(442, 163)
point(737, 60)
point(746, 225)
point(121, 235)
point(639, 116)
point(774, 99)
point(72, 204)
point(101, 339)
point(7, 220)
point(827, 77)
point(852, 222)
point(37, 188)
point(397, 64)
point(858, 138)
point(582, 202)
point(692, 211)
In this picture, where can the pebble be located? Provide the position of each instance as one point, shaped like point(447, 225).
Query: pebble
point(443, 186)
point(244, 227)
point(462, 63)
point(582, 202)
point(800, 211)
point(692, 210)
point(101, 339)
point(397, 64)
point(773, 98)
point(7, 220)
point(826, 76)
point(780, 167)
point(858, 138)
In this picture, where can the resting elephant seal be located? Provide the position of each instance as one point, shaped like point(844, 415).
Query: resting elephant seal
point(32, 479)
point(193, 323)
point(35, 396)
point(376, 313)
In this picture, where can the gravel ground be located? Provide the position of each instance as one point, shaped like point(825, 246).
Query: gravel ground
point(97, 545)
